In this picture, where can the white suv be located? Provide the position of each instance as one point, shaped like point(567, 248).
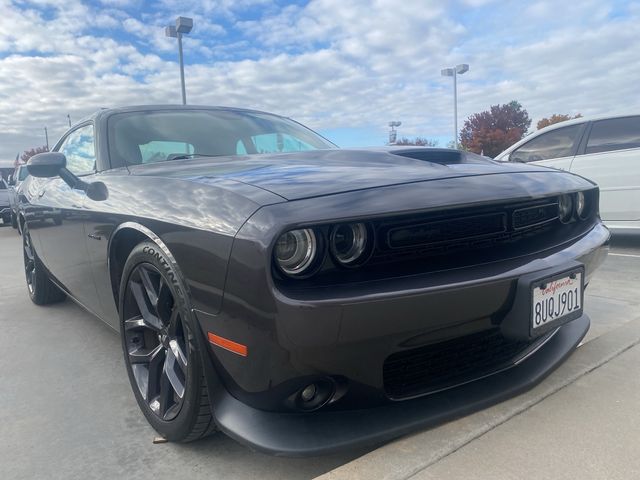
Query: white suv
point(604, 149)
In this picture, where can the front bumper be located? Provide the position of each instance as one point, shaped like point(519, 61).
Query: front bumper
point(320, 433)
point(294, 341)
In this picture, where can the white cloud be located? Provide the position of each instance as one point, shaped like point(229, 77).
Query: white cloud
point(330, 64)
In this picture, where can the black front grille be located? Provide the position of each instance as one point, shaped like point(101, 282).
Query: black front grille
point(470, 228)
point(536, 215)
point(443, 365)
point(447, 230)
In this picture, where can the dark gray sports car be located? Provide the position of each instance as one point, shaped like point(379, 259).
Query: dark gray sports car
point(299, 297)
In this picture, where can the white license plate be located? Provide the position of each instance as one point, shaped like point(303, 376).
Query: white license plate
point(556, 299)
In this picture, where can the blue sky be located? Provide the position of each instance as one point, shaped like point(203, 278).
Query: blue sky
point(342, 67)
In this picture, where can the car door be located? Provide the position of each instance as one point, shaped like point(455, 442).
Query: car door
point(555, 148)
point(61, 208)
point(611, 158)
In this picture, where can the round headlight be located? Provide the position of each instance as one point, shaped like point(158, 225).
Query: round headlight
point(580, 206)
point(349, 243)
point(565, 208)
point(296, 250)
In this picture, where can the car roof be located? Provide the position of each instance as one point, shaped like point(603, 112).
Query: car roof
point(566, 123)
point(107, 112)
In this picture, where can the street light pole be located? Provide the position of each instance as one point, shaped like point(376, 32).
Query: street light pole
point(183, 26)
point(454, 72)
point(46, 137)
point(393, 134)
point(184, 91)
point(69, 118)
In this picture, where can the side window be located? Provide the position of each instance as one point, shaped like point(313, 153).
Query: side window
point(79, 149)
point(555, 144)
point(614, 134)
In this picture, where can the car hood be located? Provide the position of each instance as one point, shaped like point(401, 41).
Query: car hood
point(299, 175)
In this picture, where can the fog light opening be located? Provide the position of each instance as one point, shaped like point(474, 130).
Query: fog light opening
point(315, 395)
point(308, 393)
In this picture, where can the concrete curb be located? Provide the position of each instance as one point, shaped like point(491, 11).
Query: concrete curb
point(407, 456)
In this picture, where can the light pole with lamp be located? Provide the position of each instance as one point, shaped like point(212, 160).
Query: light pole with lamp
point(183, 26)
point(454, 72)
point(393, 133)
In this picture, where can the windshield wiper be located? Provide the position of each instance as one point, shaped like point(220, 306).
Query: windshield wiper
point(183, 156)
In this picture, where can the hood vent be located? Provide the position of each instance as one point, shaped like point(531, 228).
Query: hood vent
point(440, 156)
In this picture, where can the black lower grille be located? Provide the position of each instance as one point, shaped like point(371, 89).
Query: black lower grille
point(443, 365)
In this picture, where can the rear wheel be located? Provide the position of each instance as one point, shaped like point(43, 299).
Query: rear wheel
point(42, 290)
point(160, 350)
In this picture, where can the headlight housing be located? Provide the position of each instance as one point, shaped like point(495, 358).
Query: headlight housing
point(296, 251)
point(349, 243)
point(565, 208)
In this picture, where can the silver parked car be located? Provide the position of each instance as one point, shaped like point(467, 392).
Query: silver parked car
point(15, 183)
point(4, 201)
point(603, 149)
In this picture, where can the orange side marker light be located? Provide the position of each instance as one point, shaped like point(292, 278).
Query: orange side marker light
point(227, 344)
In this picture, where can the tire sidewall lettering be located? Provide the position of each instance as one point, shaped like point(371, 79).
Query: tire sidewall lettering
point(159, 256)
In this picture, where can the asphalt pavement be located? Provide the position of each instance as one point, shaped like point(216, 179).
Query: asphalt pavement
point(67, 411)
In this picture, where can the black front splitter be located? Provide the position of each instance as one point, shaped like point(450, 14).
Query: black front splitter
point(320, 433)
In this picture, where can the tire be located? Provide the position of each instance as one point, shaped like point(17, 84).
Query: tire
point(14, 221)
point(42, 290)
point(160, 349)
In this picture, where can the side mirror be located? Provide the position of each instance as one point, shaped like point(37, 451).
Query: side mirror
point(53, 164)
point(11, 182)
point(46, 165)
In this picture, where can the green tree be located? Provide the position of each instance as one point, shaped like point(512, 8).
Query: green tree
point(556, 118)
point(492, 131)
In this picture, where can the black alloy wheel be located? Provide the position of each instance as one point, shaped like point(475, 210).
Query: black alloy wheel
point(42, 290)
point(155, 339)
point(160, 347)
point(29, 262)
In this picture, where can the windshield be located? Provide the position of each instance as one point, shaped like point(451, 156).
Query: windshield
point(147, 137)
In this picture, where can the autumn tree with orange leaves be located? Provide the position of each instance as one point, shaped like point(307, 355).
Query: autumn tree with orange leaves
point(494, 130)
point(27, 154)
point(556, 118)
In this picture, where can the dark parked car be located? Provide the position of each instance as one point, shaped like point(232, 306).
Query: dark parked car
point(299, 297)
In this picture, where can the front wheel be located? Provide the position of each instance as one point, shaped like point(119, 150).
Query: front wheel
point(14, 221)
point(160, 349)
